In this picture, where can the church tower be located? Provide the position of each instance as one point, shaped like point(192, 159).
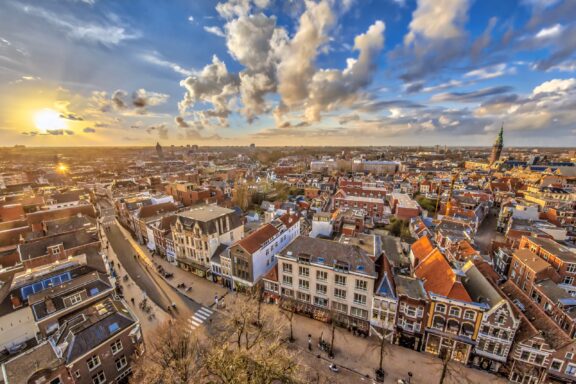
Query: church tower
point(159, 151)
point(497, 147)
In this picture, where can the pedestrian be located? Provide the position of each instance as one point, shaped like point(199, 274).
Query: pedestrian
point(309, 342)
point(216, 300)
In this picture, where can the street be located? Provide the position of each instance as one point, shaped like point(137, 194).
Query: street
point(487, 232)
point(151, 284)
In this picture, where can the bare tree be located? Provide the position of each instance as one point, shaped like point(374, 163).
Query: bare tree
point(288, 312)
point(238, 352)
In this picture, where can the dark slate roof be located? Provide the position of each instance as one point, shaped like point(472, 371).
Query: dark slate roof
point(67, 224)
point(329, 252)
point(90, 327)
point(92, 284)
point(39, 247)
point(206, 217)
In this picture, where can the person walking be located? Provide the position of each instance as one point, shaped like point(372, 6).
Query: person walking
point(310, 342)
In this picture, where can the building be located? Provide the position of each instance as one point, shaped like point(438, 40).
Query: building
point(159, 151)
point(403, 207)
point(412, 314)
point(453, 318)
point(499, 322)
point(254, 255)
point(328, 281)
point(561, 257)
point(199, 232)
point(527, 269)
point(497, 147)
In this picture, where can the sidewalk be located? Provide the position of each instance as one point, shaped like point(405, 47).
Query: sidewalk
point(132, 291)
point(203, 290)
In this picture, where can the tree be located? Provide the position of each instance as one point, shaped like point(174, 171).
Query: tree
point(288, 312)
point(237, 352)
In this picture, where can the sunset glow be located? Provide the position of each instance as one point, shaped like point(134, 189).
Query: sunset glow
point(48, 120)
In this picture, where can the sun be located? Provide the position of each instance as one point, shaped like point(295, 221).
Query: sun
point(48, 120)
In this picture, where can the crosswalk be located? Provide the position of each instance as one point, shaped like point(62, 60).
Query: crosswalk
point(198, 318)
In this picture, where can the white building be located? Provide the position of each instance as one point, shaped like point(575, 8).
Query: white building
point(254, 255)
point(198, 233)
point(325, 278)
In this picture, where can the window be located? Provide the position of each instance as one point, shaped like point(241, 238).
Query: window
point(286, 268)
point(361, 285)
point(455, 311)
point(113, 327)
point(321, 275)
point(438, 323)
point(287, 280)
point(359, 312)
point(359, 299)
point(539, 359)
point(304, 271)
point(571, 268)
point(116, 347)
point(77, 373)
point(303, 284)
point(303, 296)
point(525, 355)
point(321, 289)
point(469, 315)
point(440, 308)
point(320, 301)
point(571, 370)
point(93, 362)
point(340, 280)
point(569, 355)
point(556, 365)
point(568, 280)
point(99, 378)
point(339, 307)
point(75, 298)
point(340, 293)
point(121, 362)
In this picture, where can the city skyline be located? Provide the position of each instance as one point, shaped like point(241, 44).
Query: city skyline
point(328, 73)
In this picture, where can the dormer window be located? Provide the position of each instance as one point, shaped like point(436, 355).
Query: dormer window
point(54, 250)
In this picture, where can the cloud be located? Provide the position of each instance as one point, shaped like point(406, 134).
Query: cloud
point(160, 129)
point(89, 130)
point(490, 72)
point(331, 87)
point(156, 59)
point(118, 99)
point(143, 98)
point(296, 69)
point(274, 63)
point(550, 32)
point(181, 122)
point(560, 86)
point(213, 85)
point(215, 31)
point(471, 97)
point(106, 34)
point(436, 36)
point(71, 116)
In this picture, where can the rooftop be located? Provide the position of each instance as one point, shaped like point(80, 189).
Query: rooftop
point(331, 254)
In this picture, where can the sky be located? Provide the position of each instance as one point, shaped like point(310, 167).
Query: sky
point(287, 72)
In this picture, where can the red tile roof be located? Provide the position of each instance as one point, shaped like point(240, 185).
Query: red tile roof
point(288, 219)
point(421, 248)
point(256, 239)
point(439, 278)
point(272, 274)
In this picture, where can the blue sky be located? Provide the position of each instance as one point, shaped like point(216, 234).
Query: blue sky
point(271, 72)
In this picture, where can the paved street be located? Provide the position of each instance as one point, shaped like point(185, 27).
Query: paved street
point(150, 282)
point(487, 232)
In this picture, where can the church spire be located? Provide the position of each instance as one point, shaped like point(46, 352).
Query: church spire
point(497, 147)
